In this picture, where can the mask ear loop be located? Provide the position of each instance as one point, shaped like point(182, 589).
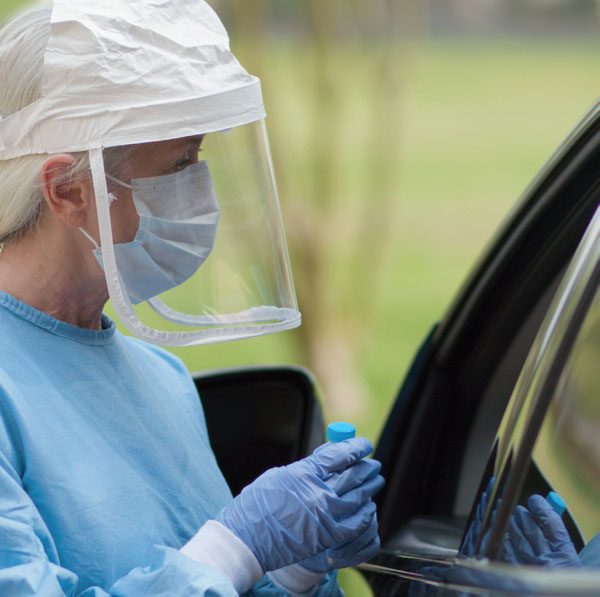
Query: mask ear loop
point(124, 184)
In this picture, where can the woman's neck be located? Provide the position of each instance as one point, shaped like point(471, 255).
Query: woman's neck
point(56, 274)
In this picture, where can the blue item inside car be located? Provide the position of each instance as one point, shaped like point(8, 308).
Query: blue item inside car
point(557, 503)
point(537, 536)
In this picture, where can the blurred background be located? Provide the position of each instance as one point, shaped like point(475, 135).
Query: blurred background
point(402, 132)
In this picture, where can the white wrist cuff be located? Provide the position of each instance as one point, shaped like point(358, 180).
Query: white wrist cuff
point(296, 580)
point(216, 546)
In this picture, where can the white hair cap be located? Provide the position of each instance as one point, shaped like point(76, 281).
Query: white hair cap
point(118, 72)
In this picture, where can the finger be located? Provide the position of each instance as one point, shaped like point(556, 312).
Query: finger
point(358, 542)
point(485, 541)
point(508, 554)
point(531, 530)
point(550, 523)
point(527, 543)
point(368, 552)
point(351, 526)
point(336, 457)
point(359, 550)
point(519, 542)
point(540, 509)
point(354, 476)
point(355, 498)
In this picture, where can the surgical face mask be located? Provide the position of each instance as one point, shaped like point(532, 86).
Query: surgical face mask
point(179, 215)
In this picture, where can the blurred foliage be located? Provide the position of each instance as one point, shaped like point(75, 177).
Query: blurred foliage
point(396, 157)
point(325, 173)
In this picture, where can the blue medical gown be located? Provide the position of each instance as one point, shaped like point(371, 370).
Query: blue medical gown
point(105, 465)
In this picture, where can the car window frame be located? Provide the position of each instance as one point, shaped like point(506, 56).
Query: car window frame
point(511, 456)
point(535, 389)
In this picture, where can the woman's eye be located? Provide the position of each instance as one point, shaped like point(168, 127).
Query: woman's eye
point(188, 160)
point(181, 165)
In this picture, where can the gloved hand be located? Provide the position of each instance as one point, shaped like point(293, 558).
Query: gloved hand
point(295, 512)
point(362, 548)
point(357, 551)
point(469, 543)
point(537, 536)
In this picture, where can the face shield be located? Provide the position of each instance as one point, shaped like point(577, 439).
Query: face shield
point(189, 228)
point(191, 238)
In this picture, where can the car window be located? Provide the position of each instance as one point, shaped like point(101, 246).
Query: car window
point(541, 439)
point(567, 450)
point(538, 506)
point(556, 522)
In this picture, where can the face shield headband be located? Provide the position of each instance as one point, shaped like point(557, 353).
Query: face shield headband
point(242, 288)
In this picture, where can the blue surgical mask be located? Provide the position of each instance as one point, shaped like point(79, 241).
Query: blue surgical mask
point(179, 215)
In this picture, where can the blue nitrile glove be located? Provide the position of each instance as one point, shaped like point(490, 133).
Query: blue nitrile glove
point(359, 550)
point(537, 536)
point(363, 547)
point(470, 542)
point(294, 512)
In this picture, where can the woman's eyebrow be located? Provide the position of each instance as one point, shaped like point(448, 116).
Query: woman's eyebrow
point(195, 140)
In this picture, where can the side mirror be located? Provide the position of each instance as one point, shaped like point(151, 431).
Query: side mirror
point(258, 418)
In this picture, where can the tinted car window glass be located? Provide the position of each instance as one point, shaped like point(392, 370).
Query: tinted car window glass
point(567, 449)
point(534, 395)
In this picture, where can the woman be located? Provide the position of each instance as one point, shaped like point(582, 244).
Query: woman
point(108, 485)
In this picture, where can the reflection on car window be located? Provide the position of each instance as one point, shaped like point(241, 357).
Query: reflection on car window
point(567, 453)
point(568, 446)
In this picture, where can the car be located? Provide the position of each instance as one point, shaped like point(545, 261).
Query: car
point(501, 402)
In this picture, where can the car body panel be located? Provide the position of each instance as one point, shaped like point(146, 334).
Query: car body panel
point(468, 368)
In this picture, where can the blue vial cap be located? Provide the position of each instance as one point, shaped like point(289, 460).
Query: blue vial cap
point(557, 503)
point(338, 432)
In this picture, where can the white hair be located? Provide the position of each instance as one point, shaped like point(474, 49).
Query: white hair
point(22, 46)
point(23, 42)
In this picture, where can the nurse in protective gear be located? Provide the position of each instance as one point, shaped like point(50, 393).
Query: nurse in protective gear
point(134, 165)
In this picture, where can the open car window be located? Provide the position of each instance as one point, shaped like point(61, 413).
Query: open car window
point(540, 447)
point(547, 449)
point(548, 439)
point(567, 450)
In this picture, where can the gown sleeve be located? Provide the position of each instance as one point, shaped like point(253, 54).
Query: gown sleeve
point(590, 554)
point(29, 563)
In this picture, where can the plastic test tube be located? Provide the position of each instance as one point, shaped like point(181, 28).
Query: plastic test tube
point(557, 503)
point(339, 431)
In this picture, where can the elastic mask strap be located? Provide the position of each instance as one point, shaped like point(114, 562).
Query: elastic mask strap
point(118, 181)
point(88, 236)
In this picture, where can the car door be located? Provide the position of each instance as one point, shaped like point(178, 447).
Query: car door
point(548, 440)
point(436, 443)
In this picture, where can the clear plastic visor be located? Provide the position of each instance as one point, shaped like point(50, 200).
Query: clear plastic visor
point(192, 241)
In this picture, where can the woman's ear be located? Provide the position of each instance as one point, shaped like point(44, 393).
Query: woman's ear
point(67, 196)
